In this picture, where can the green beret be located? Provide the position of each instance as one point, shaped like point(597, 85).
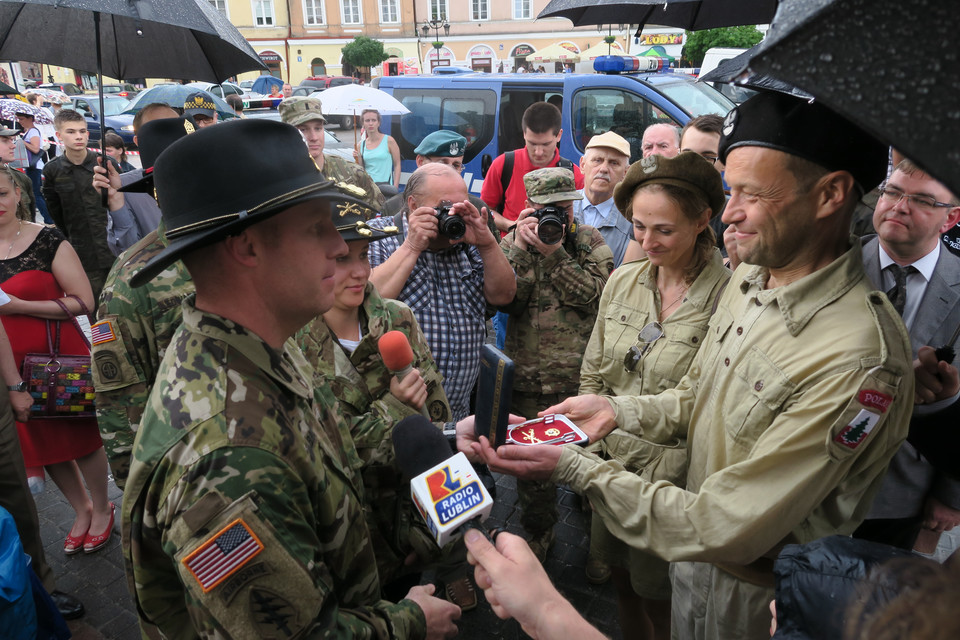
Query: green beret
point(443, 144)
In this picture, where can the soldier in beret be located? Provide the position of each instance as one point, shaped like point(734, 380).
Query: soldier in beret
point(306, 115)
point(792, 408)
point(242, 515)
point(550, 319)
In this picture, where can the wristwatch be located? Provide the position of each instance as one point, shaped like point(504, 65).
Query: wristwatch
point(20, 386)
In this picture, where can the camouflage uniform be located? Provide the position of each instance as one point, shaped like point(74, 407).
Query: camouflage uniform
point(336, 168)
point(238, 451)
point(135, 326)
point(551, 318)
point(361, 383)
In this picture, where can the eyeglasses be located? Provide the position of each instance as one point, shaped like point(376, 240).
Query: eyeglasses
point(892, 196)
point(709, 157)
point(645, 340)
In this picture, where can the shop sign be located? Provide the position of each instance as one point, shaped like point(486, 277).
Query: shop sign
point(521, 50)
point(661, 38)
point(270, 56)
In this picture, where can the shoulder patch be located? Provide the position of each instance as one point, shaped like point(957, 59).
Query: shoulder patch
point(102, 332)
point(223, 554)
point(857, 429)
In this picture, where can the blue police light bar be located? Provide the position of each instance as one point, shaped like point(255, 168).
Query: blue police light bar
point(628, 64)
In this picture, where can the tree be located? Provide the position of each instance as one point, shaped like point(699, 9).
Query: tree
point(364, 52)
point(698, 42)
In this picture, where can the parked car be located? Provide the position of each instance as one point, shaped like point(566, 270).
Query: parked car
point(486, 109)
point(345, 121)
point(67, 87)
point(304, 90)
point(114, 119)
point(246, 85)
point(221, 90)
point(325, 82)
point(124, 90)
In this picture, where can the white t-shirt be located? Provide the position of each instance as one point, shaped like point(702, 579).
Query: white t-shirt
point(30, 135)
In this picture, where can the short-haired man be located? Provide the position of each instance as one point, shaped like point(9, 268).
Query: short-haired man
point(242, 511)
point(661, 139)
point(448, 283)
point(8, 145)
point(922, 278)
point(604, 164)
point(541, 135)
point(201, 108)
point(792, 409)
point(307, 116)
point(551, 318)
point(287, 90)
point(75, 206)
point(701, 135)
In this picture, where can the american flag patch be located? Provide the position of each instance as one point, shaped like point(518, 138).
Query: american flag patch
point(220, 556)
point(102, 332)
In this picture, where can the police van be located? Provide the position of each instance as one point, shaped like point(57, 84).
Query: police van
point(486, 108)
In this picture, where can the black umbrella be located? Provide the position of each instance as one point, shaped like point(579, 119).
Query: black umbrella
point(736, 71)
point(686, 14)
point(184, 39)
point(841, 52)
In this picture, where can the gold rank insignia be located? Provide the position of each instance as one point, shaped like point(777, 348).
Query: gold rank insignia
point(351, 209)
point(188, 127)
point(390, 229)
point(352, 189)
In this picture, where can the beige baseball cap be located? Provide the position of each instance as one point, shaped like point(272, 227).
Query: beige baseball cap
point(299, 109)
point(610, 140)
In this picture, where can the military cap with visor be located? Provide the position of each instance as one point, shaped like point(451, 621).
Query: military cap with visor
point(199, 103)
point(688, 171)
point(807, 130)
point(252, 170)
point(553, 184)
point(300, 109)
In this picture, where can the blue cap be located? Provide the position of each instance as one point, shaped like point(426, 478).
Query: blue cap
point(443, 143)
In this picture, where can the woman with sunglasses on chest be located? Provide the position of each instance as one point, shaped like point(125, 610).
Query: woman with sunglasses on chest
point(652, 320)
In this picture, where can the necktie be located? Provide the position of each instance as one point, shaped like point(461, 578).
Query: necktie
point(898, 294)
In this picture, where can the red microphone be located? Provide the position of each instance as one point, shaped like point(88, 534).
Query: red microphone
point(397, 356)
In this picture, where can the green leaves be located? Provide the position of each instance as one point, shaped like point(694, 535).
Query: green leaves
point(698, 42)
point(364, 52)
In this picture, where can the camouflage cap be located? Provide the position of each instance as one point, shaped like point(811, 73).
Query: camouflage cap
point(443, 143)
point(546, 186)
point(687, 171)
point(199, 103)
point(300, 109)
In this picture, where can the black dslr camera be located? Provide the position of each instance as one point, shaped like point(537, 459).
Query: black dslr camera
point(451, 225)
point(550, 226)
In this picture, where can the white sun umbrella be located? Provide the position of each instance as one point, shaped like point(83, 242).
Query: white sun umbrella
point(352, 99)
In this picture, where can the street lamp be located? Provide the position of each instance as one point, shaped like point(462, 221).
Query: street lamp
point(435, 24)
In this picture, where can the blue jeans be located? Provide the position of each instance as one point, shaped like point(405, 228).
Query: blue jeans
point(500, 326)
point(35, 176)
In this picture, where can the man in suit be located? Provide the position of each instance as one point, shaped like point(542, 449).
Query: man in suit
point(913, 211)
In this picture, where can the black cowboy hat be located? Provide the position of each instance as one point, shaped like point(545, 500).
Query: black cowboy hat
point(153, 139)
point(216, 182)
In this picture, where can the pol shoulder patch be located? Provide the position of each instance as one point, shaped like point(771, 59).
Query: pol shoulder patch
point(222, 554)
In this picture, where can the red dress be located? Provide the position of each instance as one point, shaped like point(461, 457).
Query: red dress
point(29, 276)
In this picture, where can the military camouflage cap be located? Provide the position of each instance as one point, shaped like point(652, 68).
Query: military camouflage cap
point(546, 186)
point(199, 103)
point(443, 144)
point(300, 109)
point(6, 131)
point(687, 171)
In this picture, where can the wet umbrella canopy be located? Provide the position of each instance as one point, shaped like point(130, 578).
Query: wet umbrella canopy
point(736, 71)
point(10, 107)
point(183, 39)
point(175, 95)
point(846, 53)
point(688, 14)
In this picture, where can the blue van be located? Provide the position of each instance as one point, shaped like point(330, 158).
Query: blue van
point(486, 109)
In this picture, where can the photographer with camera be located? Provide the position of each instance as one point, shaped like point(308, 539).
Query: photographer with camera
point(561, 270)
point(446, 280)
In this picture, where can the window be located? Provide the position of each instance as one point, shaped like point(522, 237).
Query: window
point(219, 5)
point(263, 13)
point(521, 9)
point(470, 113)
point(439, 10)
point(313, 12)
point(600, 110)
point(350, 10)
point(389, 11)
point(479, 10)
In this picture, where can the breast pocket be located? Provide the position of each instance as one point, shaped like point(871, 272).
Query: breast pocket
point(680, 345)
point(757, 392)
point(621, 325)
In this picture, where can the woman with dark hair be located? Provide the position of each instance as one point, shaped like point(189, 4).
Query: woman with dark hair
point(652, 320)
point(378, 153)
point(113, 145)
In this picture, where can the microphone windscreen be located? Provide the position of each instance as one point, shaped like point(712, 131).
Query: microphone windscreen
point(418, 445)
point(395, 350)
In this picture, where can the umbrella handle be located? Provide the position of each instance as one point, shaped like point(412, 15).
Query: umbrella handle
point(103, 127)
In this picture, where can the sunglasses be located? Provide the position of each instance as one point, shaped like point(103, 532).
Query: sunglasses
point(645, 340)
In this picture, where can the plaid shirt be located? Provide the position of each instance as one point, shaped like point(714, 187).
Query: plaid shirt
point(445, 292)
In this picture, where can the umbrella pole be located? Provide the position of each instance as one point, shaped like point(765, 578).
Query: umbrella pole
point(103, 146)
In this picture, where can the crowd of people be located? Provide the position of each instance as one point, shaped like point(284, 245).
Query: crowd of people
point(747, 370)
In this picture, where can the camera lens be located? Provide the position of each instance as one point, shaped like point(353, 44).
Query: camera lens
point(453, 227)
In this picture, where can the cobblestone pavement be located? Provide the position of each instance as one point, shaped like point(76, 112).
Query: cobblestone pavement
point(98, 579)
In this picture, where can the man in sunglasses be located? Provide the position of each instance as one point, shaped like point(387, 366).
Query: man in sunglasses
point(922, 278)
point(793, 406)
